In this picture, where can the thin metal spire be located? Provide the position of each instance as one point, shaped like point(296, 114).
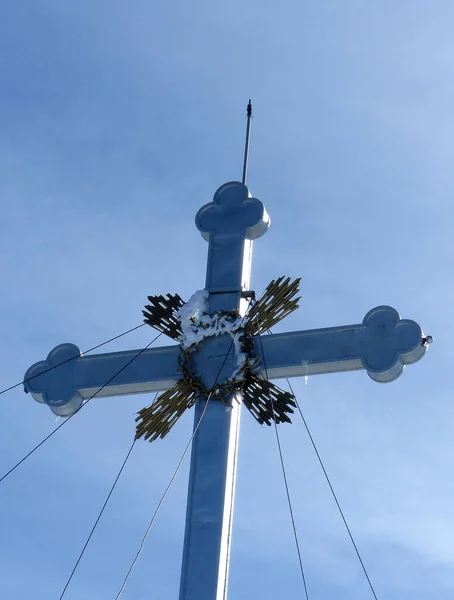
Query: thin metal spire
point(248, 135)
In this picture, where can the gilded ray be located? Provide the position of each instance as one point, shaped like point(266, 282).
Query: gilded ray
point(278, 301)
point(159, 418)
point(160, 314)
point(266, 402)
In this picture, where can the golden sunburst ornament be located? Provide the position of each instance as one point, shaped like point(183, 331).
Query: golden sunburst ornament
point(264, 400)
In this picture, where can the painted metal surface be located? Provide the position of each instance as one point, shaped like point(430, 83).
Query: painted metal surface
point(382, 345)
point(64, 388)
point(229, 223)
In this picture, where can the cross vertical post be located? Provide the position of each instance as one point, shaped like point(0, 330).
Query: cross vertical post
point(229, 223)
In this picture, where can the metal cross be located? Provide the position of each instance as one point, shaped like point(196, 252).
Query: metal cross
point(381, 345)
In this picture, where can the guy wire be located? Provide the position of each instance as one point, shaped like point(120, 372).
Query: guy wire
point(80, 407)
point(292, 517)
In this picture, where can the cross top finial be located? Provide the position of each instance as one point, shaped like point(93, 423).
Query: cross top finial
point(233, 212)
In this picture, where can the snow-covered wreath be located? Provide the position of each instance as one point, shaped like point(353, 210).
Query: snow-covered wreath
point(197, 324)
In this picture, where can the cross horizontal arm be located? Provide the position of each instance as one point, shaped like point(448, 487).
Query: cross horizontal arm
point(382, 345)
point(65, 386)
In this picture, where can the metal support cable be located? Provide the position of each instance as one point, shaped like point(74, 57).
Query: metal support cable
point(334, 494)
point(287, 489)
point(341, 512)
point(163, 497)
point(97, 520)
point(177, 469)
point(12, 387)
point(80, 407)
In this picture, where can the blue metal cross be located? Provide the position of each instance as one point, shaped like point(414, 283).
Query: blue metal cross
point(382, 345)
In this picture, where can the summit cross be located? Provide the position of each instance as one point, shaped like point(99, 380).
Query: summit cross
point(382, 344)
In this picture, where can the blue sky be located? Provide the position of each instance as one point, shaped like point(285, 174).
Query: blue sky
point(118, 121)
